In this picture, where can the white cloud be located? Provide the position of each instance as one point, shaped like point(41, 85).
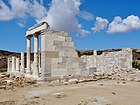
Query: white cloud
point(86, 15)
point(37, 11)
point(21, 9)
point(61, 15)
point(5, 13)
point(41, 2)
point(119, 25)
point(83, 32)
point(100, 24)
point(21, 24)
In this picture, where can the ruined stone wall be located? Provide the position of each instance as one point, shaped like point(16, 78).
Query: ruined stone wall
point(90, 65)
point(115, 61)
point(109, 62)
point(61, 56)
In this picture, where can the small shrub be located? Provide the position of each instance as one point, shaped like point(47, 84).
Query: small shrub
point(136, 64)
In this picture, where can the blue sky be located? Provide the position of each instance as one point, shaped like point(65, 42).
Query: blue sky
point(93, 24)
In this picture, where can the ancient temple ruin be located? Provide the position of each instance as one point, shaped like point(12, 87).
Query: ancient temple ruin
point(57, 57)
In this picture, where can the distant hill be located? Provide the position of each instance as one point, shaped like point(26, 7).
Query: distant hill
point(5, 53)
point(90, 52)
point(136, 52)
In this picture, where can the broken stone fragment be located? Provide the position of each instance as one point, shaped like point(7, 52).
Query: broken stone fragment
point(73, 81)
point(113, 93)
point(59, 95)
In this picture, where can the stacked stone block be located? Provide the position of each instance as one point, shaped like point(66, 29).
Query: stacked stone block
point(107, 63)
point(90, 64)
point(61, 56)
point(115, 61)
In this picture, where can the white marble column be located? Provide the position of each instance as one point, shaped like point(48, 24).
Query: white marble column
point(22, 70)
point(39, 60)
point(28, 59)
point(13, 64)
point(36, 59)
point(8, 64)
point(17, 65)
point(95, 58)
point(95, 52)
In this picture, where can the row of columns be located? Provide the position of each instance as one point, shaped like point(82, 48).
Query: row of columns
point(36, 55)
point(16, 65)
point(33, 32)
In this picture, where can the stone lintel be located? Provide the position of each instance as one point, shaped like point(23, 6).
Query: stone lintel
point(37, 29)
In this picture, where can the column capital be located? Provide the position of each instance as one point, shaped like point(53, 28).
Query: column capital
point(36, 34)
point(29, 37)
point(44, 31)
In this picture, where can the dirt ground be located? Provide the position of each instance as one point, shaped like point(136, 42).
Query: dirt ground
point(109, 92)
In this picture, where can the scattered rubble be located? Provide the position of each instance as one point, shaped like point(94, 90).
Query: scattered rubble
point(9, 82)
point(95, 100)
point(7, 103)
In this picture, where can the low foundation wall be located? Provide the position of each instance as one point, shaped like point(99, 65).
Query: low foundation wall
point(108, 62)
